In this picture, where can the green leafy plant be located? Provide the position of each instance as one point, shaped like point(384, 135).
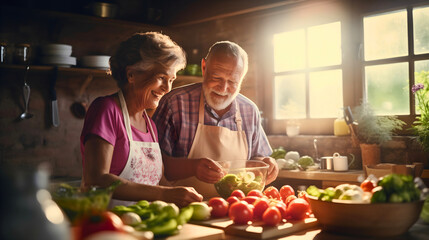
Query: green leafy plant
point(373, 129)
point(421, 124)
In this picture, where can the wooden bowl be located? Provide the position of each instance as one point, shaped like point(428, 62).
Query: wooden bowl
point(365, 219)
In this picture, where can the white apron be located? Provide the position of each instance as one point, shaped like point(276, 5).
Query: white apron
point(144, 163)
point(217, 143)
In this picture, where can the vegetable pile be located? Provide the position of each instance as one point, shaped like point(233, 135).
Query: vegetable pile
point(244, 181)
point(76, 204)
point(271, 206)
point(291, 160)
point(159, 217)
point(392, 188)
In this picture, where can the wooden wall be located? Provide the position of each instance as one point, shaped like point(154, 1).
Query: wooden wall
point(35, 140)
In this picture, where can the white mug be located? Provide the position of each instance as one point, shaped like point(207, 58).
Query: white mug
point(341, 163)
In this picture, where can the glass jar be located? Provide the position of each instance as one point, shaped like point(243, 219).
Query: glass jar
point(340, 125)
point(22, 53)
point(3, 48)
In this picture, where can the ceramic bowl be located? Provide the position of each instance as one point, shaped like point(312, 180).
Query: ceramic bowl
point(56, 49)
point(95, 61)
point(250, 175)
point(366, 219)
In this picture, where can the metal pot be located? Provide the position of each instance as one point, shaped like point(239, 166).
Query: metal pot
point(104, 10)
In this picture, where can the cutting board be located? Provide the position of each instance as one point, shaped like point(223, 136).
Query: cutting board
point(257, 230)
point(196, 232)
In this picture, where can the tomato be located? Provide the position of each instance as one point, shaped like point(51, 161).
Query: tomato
point(250, 199)
point(272, 192)
point(103, 221)
point(272, 216)
point(256, 193)
point(289, 199)
point(238, 193)
point(281, 206)
point(260, 206)
point(286, 191)
point(368, 185)
point(240, 212)
point(232, 199)
point(298, 209)
point(303, 195)
point(219, 207)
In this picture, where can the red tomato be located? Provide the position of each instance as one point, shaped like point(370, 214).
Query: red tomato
point(240, 212)
point(256, 193)
point(289, 199)
point(368, 185)
point(219, 207)
point(272, 192)
point(260, 206)
point(272, 216)
point(286, 191)
point(104, 221)
point(281, 206)
point(303, 195)
point(238, 193)
point(298, 209)
point(232, 199)
point(250, 199)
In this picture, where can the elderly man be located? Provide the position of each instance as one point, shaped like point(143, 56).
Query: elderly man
point(202, 123)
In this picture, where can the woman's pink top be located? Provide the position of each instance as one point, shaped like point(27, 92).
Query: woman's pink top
point(104, 118)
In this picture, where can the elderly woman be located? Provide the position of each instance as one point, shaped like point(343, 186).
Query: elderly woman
point(119, 141)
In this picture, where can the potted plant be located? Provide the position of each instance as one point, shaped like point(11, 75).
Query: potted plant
point(372, 131)
point(421, 125)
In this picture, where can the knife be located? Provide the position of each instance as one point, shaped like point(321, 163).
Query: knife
point(53, 98)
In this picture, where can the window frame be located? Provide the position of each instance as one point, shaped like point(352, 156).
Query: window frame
point(350, 14)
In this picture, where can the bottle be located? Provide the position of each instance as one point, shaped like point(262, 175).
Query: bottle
point(27, 210)
point(3, 48)
point(22, 53)
point(340, 125)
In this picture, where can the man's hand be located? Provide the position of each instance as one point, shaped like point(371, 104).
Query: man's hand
point(273, 170)
point(208, 170)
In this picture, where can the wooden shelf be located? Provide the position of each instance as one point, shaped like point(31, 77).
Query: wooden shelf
point(349, 176)
point(47, 69)
point(185, 79)
point(70, 16)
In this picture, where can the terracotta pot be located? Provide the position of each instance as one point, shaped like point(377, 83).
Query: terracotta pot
point(370, 154)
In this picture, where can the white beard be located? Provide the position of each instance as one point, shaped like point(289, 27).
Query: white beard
point(218, 104)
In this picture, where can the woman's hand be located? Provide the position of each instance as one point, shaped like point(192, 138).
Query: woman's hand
point(181, 196)
point(273, 169)
point(208, 170)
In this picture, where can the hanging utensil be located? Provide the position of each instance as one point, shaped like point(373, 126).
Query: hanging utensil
point(348, 116)
point(80, 106)
point(26, 91)
point(53, 98)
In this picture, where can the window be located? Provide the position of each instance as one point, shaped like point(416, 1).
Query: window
point(342, 53)
point(391, 53)
point(307, 72)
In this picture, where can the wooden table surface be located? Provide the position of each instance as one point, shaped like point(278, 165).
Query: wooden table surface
point(419, 231)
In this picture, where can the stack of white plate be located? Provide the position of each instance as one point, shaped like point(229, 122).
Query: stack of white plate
point(57, 55)
point(95, 61)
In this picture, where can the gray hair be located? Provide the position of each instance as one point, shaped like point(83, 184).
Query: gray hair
point(143, 51)
point(231, 49)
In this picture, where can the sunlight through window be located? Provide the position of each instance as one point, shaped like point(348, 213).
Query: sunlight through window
point(307, 52)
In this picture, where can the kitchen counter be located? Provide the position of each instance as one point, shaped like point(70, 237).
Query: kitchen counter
point(320, 178)
point(419, 231)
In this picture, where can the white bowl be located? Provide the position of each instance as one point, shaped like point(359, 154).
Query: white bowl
point(56, 50)
point(95, 61)
point(60, 61)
